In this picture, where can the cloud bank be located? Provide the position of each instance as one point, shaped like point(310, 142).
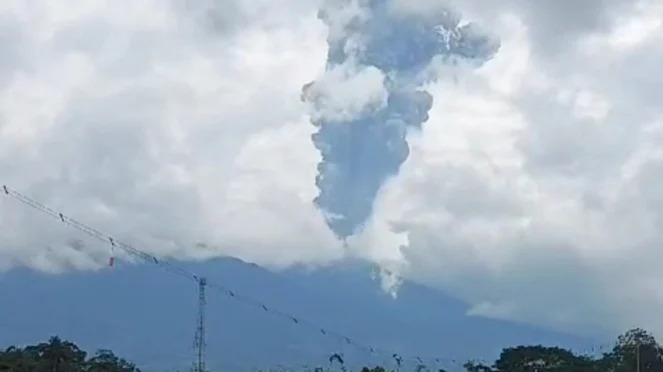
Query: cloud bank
point(164, 124)
point(532, 191)
point(533, 196)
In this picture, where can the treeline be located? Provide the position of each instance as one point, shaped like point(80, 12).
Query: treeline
point(57, 355)
point(634, 351)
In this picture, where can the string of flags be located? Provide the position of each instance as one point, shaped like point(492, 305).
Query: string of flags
point(397, 358)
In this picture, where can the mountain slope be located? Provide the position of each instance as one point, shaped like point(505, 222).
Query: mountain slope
point(149, 316)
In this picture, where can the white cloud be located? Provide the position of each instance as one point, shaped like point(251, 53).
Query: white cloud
point(159, 123)
point(345, 91)
point(533, 191)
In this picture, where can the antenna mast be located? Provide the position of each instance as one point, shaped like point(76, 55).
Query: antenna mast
point(200, 330)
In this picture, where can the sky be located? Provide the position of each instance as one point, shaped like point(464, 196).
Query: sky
point(530, 188)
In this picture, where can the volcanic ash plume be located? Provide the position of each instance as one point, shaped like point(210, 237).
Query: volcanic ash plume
point(371, 95)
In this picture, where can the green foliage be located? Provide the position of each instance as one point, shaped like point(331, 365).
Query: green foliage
point(632, 347)
point(57, 355)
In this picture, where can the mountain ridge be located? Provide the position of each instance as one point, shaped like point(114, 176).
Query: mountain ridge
point(149, 316)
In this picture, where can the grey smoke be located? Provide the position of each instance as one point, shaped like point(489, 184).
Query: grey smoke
point(361, 148)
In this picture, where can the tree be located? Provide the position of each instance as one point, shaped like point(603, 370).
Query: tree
point(536, 358)
point(472, 366)
point(57, 355)
point(106, 361)
point(632, 346)
point(17, 360)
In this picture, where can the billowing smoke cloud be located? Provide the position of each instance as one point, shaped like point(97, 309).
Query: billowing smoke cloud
point(371, 94)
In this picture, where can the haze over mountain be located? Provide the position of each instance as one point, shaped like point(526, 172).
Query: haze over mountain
point(149, 316)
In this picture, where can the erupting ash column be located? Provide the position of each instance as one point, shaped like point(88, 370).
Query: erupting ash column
point(371, 95)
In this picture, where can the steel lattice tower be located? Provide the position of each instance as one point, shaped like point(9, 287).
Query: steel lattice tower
point(200, 330)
